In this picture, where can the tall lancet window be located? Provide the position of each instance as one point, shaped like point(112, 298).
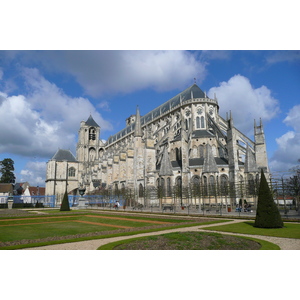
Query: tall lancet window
point(198, 122)
point(202, 122)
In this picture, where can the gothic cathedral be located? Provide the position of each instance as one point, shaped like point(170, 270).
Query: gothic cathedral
point(182, 143)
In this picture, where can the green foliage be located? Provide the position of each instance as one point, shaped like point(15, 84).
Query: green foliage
point(65, 203)
point(6, 169)
point(267, 214)
point(39, 205)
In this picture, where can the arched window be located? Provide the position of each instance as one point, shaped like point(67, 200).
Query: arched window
point(224, 185)
point(187, 123)
point(198, 122)
point(116, 189)
point(202, 122)
point(169, 189)
point(71, 172)
point(178, 186)
point(212, 187)
point(141, 190)
point(196, 180)
point(205, 189)
point(92, 134)
point(251, 185)
point(160, 187)
point(92, 154)
point(178, 154)
point(101, 152)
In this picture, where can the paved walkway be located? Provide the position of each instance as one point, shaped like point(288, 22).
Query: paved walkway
point(283, 243)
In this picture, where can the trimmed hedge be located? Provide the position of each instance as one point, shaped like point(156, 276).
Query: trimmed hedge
point(65, 203)
point(267, 213)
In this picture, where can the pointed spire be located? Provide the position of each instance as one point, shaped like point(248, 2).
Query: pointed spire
point(210, 165)
point(138, 127)
point(166, 166)
point(91, 122)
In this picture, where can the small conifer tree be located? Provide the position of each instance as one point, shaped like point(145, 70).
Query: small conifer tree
point(65, 203)
point(267, 213)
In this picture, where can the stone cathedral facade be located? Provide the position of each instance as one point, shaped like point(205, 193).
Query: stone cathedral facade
point(182, 143)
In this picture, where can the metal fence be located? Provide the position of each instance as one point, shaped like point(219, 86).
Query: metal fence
point(97, 200)
point(29, 201)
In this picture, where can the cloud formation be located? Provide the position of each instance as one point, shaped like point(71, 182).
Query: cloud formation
point(237, 94)
point(288, 152)
point(34, 173)
point(43, 120)
point(103, 72)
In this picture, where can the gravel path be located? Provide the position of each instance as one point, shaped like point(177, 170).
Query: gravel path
point(283, 243)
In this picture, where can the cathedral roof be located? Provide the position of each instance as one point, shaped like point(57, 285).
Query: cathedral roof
point(91, 122)
point(62, 155)
point(192, 92)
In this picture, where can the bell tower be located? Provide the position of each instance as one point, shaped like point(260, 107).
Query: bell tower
point(88, 141)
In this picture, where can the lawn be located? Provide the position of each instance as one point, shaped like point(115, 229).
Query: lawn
point(290, 230)
point(191, 241)
point(57, 228)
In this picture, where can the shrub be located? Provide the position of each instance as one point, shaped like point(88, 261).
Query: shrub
point(267, 214)
point(65, 203)
point(39, 205)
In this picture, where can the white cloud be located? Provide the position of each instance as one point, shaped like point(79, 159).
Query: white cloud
point(288, 152)
point(34, 173)
point(283, 56)
point(293, 118)
point(36, 125)
point(100, 72)
point(237, 94)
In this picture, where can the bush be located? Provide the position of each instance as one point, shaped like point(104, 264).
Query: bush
point(267, 213)
point(39, 205)
point(65, 203)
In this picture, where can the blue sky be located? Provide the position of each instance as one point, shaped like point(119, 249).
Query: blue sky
point(45, 94)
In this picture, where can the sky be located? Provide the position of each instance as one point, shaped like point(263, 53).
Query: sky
point(59, 64)
point(44, 95)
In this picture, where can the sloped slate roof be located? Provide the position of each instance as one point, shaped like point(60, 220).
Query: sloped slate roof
point(91, 122)
point(201, 134)
point(64, 155)
point(193, 91)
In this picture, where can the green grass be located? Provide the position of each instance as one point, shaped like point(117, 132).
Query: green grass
point(289, 230)
point(183, 241)
point(60, 229)
point(38, 227)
